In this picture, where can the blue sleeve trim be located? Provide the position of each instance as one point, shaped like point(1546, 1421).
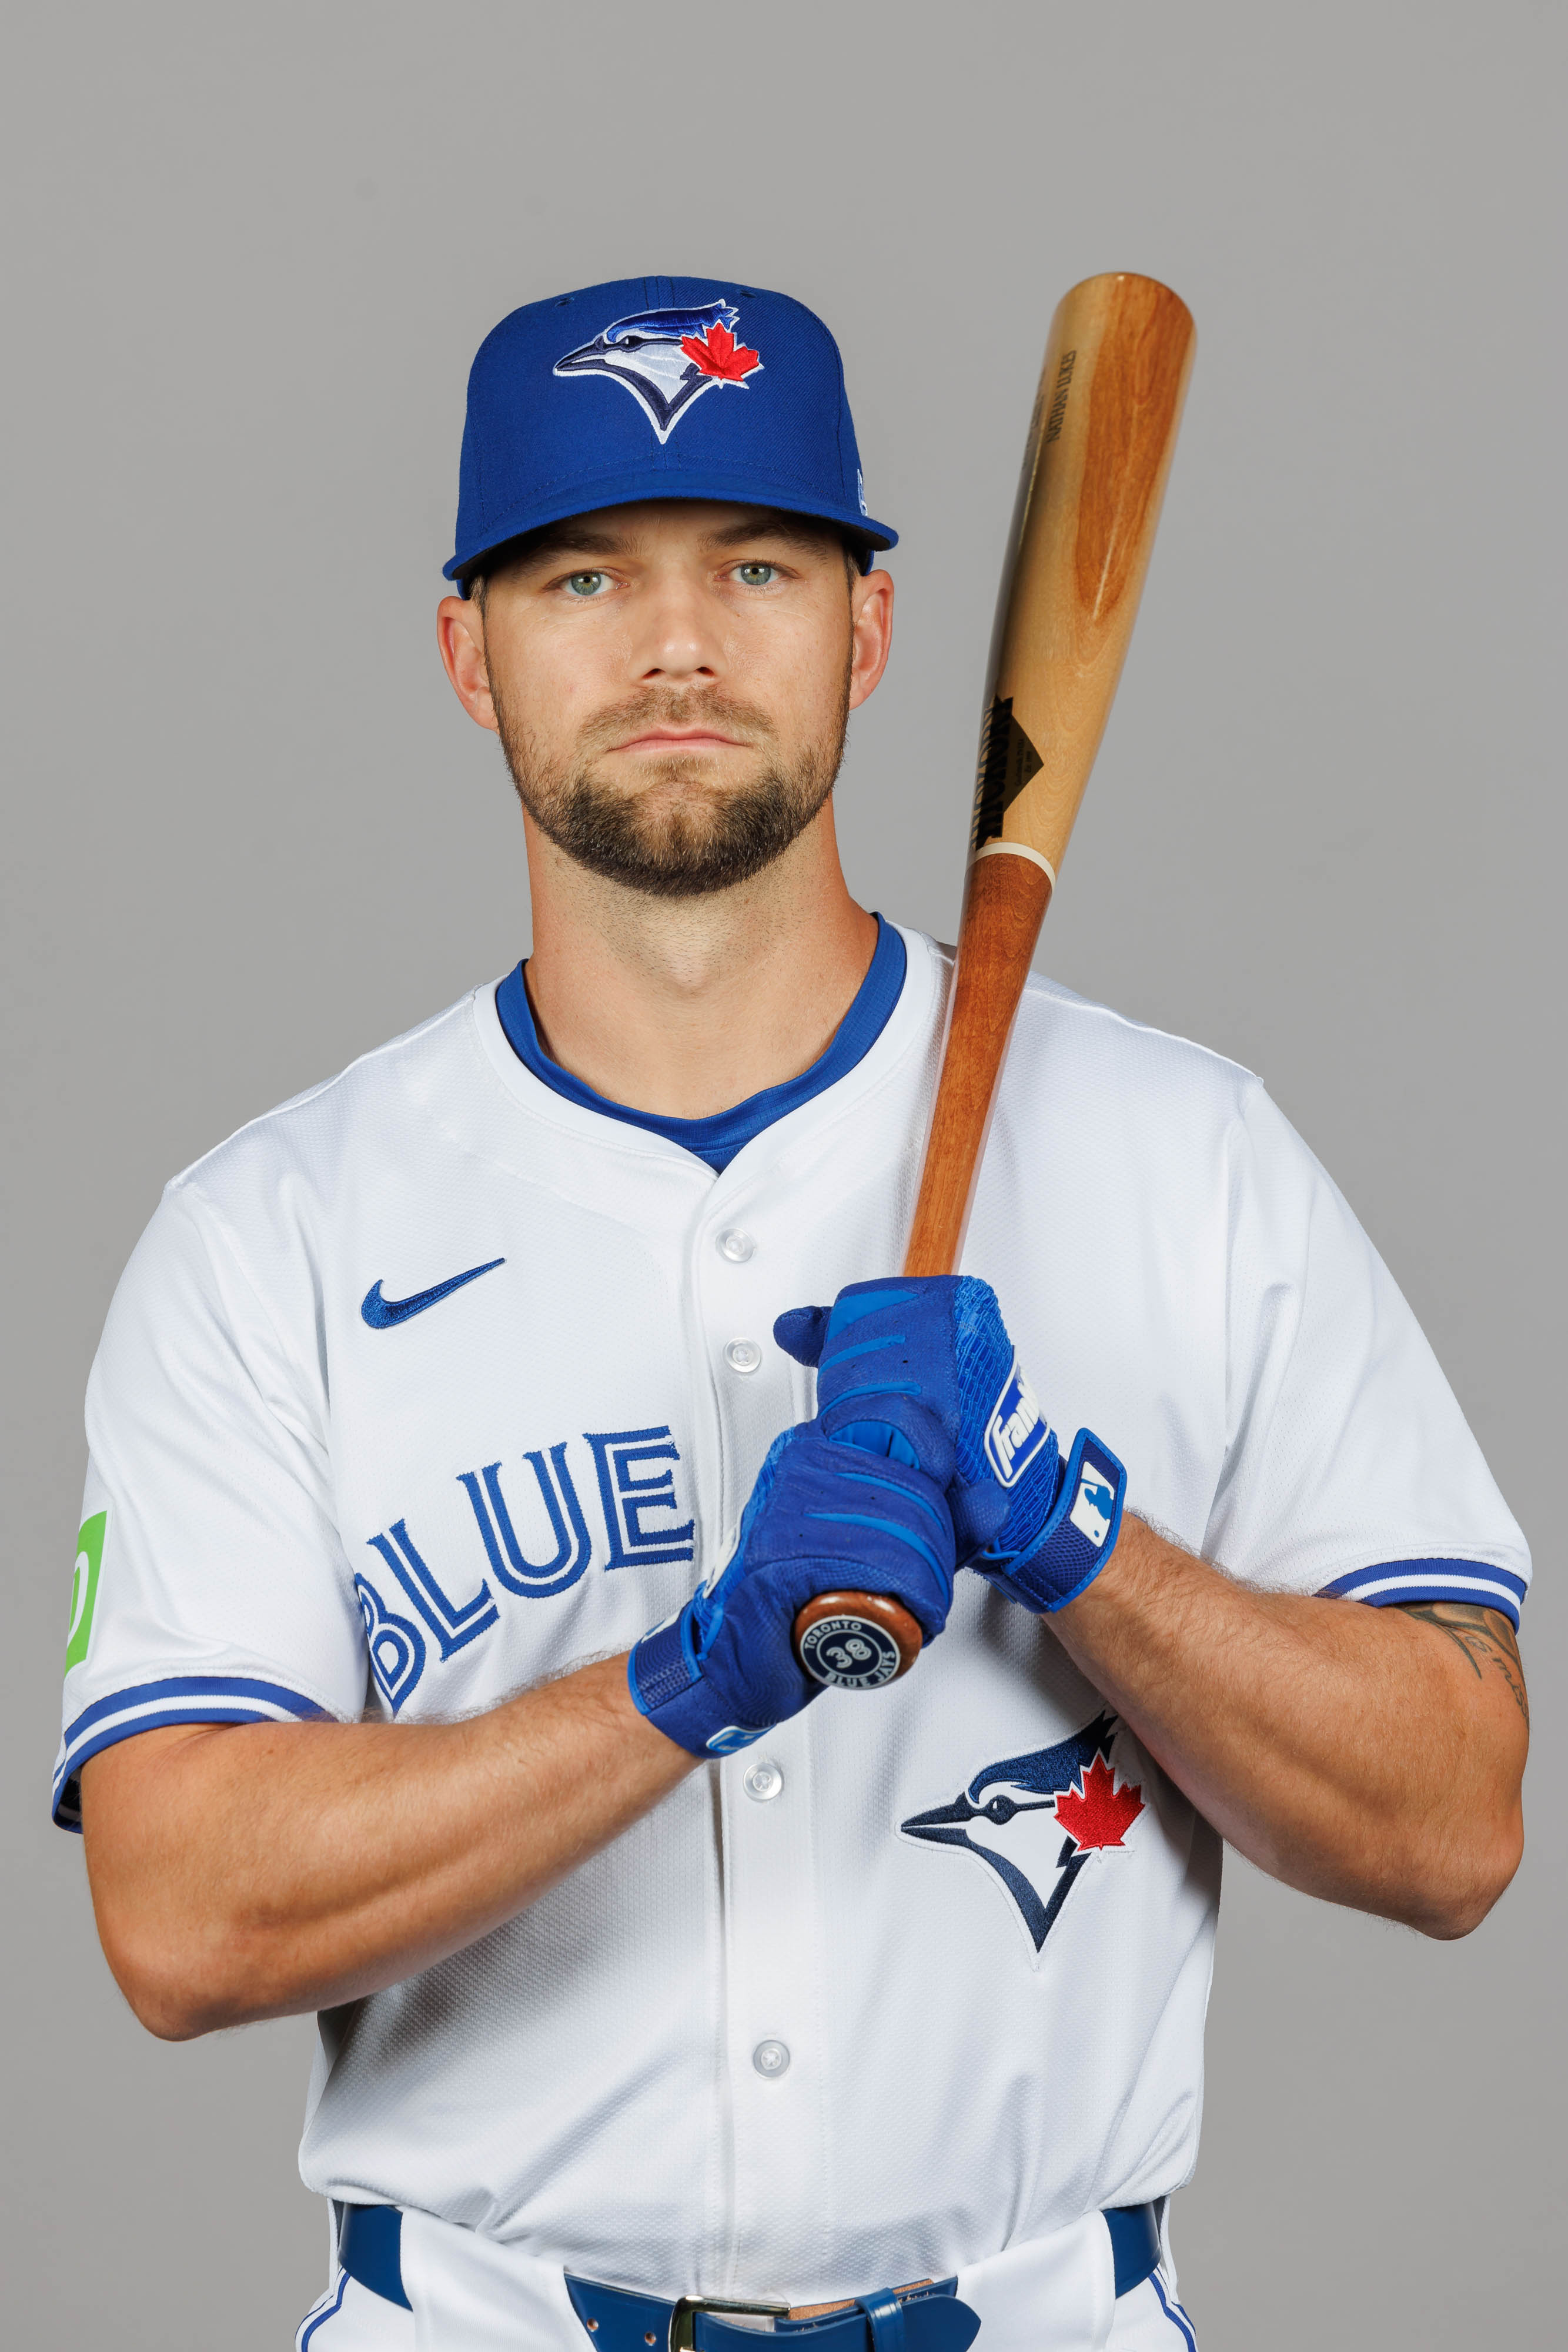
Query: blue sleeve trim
point(177, 1698)
point(1395, 1582)
point(228, 1687)
point(717, 1140)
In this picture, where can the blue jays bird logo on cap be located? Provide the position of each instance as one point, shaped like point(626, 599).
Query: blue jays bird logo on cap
point(667, 359)
point(1017, 1428)
point(1013, 1815)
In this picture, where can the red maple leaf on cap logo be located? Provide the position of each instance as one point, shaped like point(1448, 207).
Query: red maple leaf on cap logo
point(717, 353)
point(1099, 1813)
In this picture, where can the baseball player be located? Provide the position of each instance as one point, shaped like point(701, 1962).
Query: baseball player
point(467, 1433)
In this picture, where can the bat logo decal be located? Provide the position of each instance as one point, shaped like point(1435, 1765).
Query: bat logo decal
point(667, 359)
point(1013, 1815)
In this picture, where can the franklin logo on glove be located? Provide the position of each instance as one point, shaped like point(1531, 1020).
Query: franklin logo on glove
point(1017, 1428)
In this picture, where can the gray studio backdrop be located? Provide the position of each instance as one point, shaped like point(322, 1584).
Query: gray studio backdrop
point(249, 834)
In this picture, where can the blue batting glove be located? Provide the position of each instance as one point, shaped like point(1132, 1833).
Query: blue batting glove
point(896, 1358)
point(723, 1671)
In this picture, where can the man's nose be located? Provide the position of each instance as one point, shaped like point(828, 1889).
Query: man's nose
point(680, 632)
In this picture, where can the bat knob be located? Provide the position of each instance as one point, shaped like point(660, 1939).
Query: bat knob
point(855, 1641)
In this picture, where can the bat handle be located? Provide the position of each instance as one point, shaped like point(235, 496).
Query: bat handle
point(858, 1641)
point(855, 1641)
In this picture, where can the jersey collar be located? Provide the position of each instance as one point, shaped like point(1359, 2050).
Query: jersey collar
point(907, 1027)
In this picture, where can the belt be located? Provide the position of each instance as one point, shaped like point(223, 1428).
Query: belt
point(926, 2317)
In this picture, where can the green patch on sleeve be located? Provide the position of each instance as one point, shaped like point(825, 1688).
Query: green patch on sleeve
point(84, 1591)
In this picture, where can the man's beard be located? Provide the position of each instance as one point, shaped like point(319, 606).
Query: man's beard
point(713, 837)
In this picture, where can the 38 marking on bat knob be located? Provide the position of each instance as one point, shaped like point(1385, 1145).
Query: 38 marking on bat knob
point(849, 1653)
point(855, 1641)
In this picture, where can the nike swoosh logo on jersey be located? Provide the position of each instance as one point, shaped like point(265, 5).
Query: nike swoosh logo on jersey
point(380, 1313)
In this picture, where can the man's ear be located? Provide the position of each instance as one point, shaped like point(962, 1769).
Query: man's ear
point(460, 633)
point(871, 621)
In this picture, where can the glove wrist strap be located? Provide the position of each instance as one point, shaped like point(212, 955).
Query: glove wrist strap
point(661, 1667)
point(1079, 1531)
point(666, 1686)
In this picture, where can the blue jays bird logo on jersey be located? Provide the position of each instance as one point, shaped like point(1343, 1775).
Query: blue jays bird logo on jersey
point(1013, 1815)
point(667, 359)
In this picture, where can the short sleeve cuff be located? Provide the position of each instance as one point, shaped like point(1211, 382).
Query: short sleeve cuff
point(1394, 1582)
point(176, 1698)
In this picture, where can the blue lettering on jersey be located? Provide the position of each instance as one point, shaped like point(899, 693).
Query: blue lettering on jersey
point(397, 1648)
point(453, 1624)
point(994, 1820)
point(636, 1476)
point(573, 1543)
point(631, 1495)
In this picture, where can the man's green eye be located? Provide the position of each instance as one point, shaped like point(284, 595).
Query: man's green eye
point(755, 575)
point(586, 583)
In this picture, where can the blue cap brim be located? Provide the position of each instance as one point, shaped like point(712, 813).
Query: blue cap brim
point(632, 487)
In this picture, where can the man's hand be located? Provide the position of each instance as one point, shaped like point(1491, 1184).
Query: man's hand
point(723, 1672)
point(892, 1357)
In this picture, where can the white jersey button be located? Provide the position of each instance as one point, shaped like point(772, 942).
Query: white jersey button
point(762, 1781)
point(743, 1356)
point(771, 2058)
point(736, 1246)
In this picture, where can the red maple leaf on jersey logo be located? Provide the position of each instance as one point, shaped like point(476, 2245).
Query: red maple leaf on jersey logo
point(717, 353)
point(1099, 1813)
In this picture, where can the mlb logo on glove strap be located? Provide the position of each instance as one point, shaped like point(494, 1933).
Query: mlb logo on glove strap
point(1092, 1508)
point(1016, 1430)
point(667, 359)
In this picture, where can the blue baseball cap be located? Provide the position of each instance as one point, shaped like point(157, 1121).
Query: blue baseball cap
point(656, 388)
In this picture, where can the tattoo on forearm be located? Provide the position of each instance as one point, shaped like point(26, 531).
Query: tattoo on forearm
point(1484, 1636)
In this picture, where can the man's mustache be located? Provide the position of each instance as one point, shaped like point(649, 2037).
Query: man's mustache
point(724, 715)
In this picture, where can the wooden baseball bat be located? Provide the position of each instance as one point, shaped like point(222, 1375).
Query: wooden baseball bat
point(1099, 446)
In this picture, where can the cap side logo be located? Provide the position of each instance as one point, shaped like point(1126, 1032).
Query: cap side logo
point(667, 359)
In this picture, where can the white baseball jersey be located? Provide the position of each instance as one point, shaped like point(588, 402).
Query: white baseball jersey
point(435, 1382)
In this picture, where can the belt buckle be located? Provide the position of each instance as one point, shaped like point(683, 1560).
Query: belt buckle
point(683, 2318)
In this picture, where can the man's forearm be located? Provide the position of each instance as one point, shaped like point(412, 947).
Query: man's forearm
point(257, 1870)
point(1359, 1754)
